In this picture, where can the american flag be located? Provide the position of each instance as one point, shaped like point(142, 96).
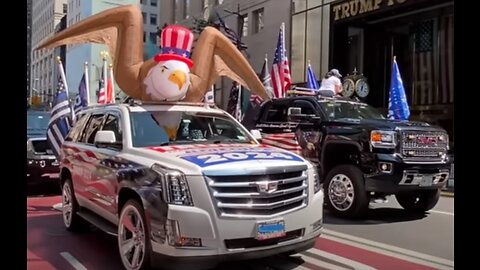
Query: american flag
point(266, 81)
point(102, 92)
point(446, 60)
point(424, 76)
point(59, 124)
point(234, 37)
point(281, 79)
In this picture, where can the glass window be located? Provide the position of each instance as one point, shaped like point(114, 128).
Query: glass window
point(277, 113)
point(77, 128)
point(92, 127)
point(144, 36)
point(314, 3)
point(142, 2)
point(349, 110)
point(144, 16)
point(154, 128)
point(258, 20)
point(113, 123)
point(243, 20)
point(298, 48)
point(313, 36)
point(299, 5)
point(153, 19)
point(153, 3)
point(153, 38)
point(37, 121)
point(186, 8)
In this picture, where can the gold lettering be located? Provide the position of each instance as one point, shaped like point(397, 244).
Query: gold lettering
point(336, 9)
point(377, 4)
point(354, 7)
point(365, 6)
point(390, 3)
point(345, 13)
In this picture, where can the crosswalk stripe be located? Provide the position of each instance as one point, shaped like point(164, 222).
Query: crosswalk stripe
point(354, 264)
point(393, 251)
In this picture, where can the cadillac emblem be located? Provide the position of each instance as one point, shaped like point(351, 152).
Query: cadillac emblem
point(267, 187)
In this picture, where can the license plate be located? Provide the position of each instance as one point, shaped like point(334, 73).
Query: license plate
point(426, 181)
point(269, 230)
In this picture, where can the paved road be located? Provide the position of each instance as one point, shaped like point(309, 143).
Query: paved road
point(379, 243)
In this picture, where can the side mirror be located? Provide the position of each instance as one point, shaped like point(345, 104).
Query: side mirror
point(294, 111)
point(105, 138)
point(256, 134)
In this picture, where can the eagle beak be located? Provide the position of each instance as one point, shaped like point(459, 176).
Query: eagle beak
point(178, 77)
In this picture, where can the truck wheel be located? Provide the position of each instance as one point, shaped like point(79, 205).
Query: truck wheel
point(133, 240)
point(70, 207)
point(345, 191)
point(418, 201)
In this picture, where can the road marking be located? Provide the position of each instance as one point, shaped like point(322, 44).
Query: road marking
point(393, 251)
point(322, 264)
point(441, 212)
point(354, 264)
point(74, 262)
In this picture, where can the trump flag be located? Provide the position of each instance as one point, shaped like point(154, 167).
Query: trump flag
point(397, 102)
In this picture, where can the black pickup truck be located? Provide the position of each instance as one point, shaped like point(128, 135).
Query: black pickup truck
point(360, 155)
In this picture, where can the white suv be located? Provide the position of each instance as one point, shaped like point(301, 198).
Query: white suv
point(186, 184)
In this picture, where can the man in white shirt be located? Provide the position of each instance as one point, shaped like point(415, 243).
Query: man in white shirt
point(331, 84)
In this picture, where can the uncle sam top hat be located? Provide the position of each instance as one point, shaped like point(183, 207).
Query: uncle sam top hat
point(176, 44)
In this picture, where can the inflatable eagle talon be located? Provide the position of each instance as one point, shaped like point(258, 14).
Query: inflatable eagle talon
point(176, 73)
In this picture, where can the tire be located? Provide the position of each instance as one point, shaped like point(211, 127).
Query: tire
point(135, 256)
point(418, 201)
point(70, 207)
point(345, 192)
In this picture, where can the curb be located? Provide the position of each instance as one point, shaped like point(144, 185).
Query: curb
point(447, 194)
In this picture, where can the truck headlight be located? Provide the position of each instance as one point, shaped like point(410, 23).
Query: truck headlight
point(316, 180)
point(176, 190)
point(383, 139)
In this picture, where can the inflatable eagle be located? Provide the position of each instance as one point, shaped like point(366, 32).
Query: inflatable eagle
point(176, 73)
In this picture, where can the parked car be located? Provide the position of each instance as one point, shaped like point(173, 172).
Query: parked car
point(360, 155)
point(182, 184)
point(42, 165)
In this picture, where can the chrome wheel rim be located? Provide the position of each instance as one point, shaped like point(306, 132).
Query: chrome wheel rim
point(341, 192)
point(131, 238)
point(67, 204)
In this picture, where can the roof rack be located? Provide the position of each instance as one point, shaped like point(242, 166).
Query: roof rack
point(135, 102)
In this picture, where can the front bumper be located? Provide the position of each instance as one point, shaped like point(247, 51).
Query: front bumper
point(226, 238)
point(405, 176)
point(42, 170)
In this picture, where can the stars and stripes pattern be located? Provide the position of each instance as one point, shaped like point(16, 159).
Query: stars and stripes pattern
point(102, 92)
point(59, 124)
point(281, 78)
point(285, 141)
point(177, 40)
point(266, 81)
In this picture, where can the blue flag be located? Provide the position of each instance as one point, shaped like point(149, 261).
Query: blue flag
point(312, 82)
point(397, 102)
point(81, 98)
point(59, 124)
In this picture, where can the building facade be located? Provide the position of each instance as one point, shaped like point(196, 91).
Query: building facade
point(46, 15)
point(151, 22)
point(261, 21)
point(29, 44)
point(77, 55)
point(366, 34)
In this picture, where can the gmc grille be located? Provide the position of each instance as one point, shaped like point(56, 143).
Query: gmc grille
point(259, 195)
point(424, 146)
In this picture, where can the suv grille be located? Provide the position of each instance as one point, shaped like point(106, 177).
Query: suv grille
point(259, 195)
point(40, 146)
point(424, 146)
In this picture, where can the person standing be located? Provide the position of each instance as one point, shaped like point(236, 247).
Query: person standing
point(331, 84)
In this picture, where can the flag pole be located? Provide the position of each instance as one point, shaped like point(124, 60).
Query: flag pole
point(87, 82)
point(62, 75)
point(112, 82)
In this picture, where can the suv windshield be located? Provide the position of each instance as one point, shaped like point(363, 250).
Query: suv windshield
point(353, 110)
point(173, 127)
point(37, 121)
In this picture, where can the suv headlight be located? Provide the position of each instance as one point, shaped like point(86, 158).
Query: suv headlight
point(316, 180)
point(383, 139)
point(176, 190)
